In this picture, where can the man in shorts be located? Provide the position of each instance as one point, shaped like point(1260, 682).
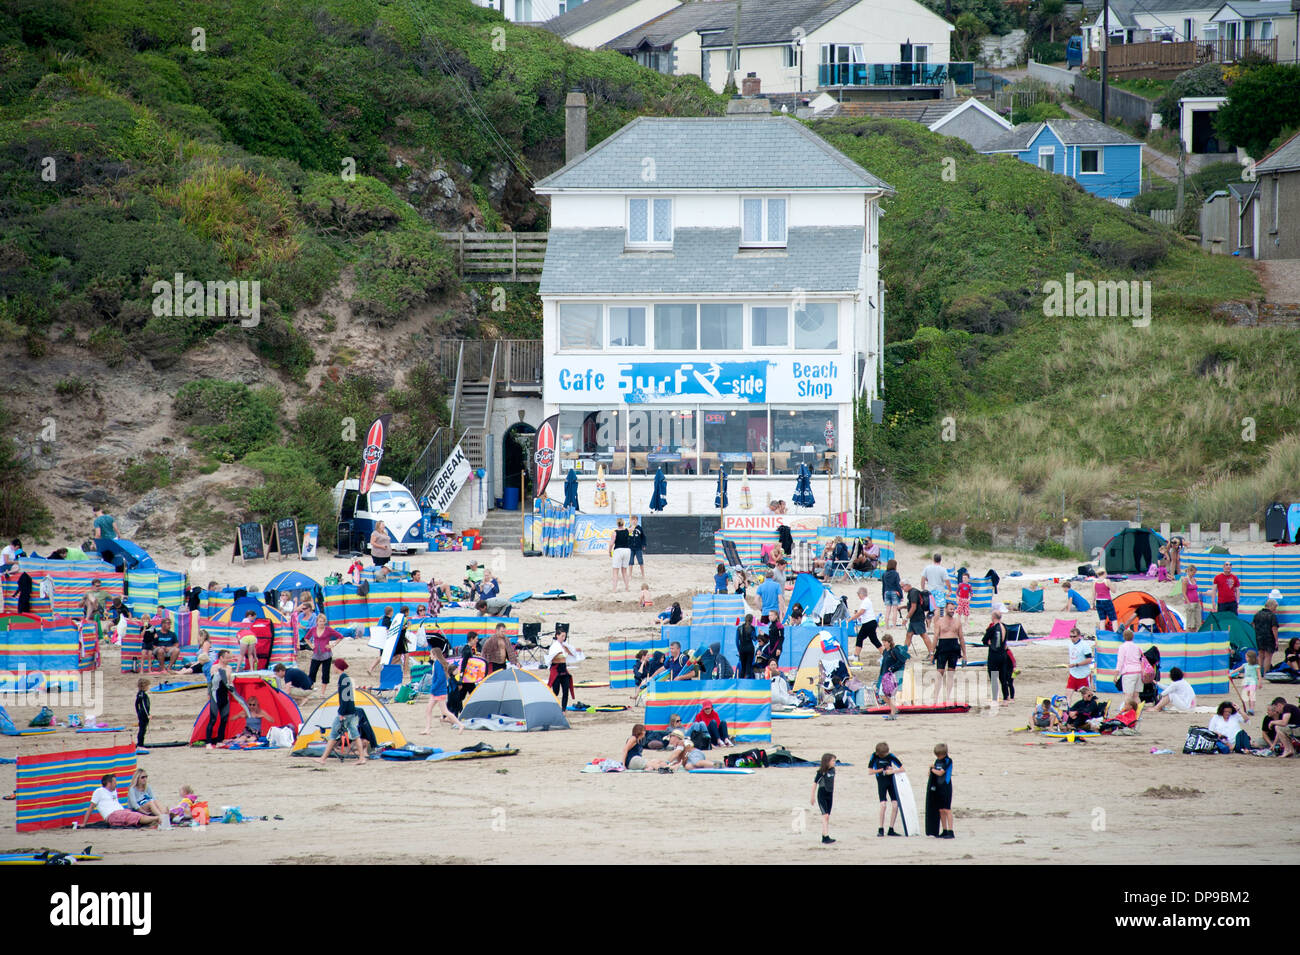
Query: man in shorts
point(1266, 626)
point(166, 645)
point(950, 647)
point(1080, 663)
point(347, 720)
point(104, 801)
point(915, 606)
point(935, 580)
point(1226, 587)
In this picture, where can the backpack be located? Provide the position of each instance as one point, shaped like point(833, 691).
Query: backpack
point(701, 739)
point(1148, 671)
point(44, 718)
point(1200, 740)
point(750, 758)
point(725, 671)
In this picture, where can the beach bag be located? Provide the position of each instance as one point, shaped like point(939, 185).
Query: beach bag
point(44, 718)
point(749, 759)
point(1200, 740)
point(279, 737)
point(475, 670)
point(1148, 671)
point(701, 739)
point(888, 684)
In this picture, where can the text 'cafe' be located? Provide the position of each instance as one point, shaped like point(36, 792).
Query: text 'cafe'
point(758, 419)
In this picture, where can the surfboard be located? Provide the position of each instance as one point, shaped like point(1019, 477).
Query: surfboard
point(922, 708)
point(722, 771)
point(178, 687)
point(907, 805)
point(1292, 521)
point(521, 596)
point(556, 595)
point(471, 754)
point(590, 684)
point(1054, 734)
point(102, 729)
point(42, 858)
point(793, 716)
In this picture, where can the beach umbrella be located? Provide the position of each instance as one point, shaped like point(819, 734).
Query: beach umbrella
point(803, 495)
point(659, 500)
point(720, 499)
point(571, 490)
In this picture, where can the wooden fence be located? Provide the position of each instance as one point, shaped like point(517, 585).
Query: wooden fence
point(498, 256)
point(1170, 59)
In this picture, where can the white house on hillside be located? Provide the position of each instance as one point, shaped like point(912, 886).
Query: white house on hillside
point(596, 22)
point(856, 48)
point(1226, 30)
point(710, 298)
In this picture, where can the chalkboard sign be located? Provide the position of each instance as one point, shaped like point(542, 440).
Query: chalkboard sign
point(285, 540)
point(248, 543)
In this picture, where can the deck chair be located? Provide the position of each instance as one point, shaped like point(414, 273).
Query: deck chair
point(734, 563)
point(390, 677)
point(846, 567)
point(529, 645)
point(1031, 601)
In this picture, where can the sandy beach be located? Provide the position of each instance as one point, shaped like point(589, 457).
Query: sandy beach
point(1016, 800)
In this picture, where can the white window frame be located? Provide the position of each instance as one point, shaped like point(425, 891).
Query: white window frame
point(647, 329)
point(601, 328)
point(789, 331)
point(649, 242)
point(767, 242)
point(834, 307)
point(1047, 151)
point(790, 57)
point(1101, 160)
point(1189, 29)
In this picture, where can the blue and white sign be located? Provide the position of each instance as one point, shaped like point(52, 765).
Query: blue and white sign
point(812, 380)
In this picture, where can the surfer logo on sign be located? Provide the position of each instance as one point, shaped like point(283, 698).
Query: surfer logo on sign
point(544, 458)
point(373, 454)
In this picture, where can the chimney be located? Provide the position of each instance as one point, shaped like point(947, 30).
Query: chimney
point(575, 126)
point(749, 85)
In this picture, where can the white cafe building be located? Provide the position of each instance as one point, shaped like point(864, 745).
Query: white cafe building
point(711, 298)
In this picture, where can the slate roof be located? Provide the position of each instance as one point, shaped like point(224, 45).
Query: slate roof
point(1286, 157)
point(927, 111)
point(703, 260)
point(1089, 132)
point(584, 15)
point(1252, 9)
point(771, 21)
point(1071, 132)
point(667, 28)
point(713, 152)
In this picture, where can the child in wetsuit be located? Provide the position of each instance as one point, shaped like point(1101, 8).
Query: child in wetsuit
point(823, 793)
point(938, 795)
point(883, 765)
point(141, 710)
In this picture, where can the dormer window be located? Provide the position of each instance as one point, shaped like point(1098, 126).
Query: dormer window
point(762, 222)
point(650, 223)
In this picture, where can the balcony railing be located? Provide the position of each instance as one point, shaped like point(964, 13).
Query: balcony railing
point(1172, 58)
point(895, 74)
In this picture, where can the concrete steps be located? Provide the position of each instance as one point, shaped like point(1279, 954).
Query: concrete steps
point(501, 529)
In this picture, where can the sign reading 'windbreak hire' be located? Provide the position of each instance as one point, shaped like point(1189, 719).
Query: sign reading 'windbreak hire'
point(783, 380)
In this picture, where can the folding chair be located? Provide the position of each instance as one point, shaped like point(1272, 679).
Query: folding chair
point(844, 568)
point(734, 563)
point(528, 646)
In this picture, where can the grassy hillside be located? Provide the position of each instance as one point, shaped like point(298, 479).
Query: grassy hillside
point(141, 138)
point(1188, 413)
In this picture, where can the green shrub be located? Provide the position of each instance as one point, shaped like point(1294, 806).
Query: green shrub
point(978, 538)
point(398, 271)
point(1038, 113)
point(1054, 550)
point(227, 418)
point(151, 470)
point(71, 387)
point(1204, 80)
point(351, 208)
point(1127, 244)
point(108, 345)
point(914, 530)
point(288, 489)
point(1044, 51)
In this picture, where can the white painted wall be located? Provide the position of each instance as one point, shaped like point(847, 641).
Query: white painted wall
point(687, 53)
point(881, 28)
point(601, 32)
point(695, 495)
point(1195, 104)
point(711, 211)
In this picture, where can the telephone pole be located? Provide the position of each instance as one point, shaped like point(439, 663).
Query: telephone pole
point(1105, 49)
point(733, 58)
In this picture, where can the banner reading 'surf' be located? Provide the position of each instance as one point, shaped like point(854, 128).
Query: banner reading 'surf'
point(372, 454)
point(544, 454)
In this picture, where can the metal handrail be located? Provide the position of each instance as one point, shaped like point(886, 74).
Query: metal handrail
point(431, 460)
point(492, 387)
point(455, 394)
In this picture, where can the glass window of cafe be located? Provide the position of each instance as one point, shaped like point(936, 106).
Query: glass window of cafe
point(752, 439)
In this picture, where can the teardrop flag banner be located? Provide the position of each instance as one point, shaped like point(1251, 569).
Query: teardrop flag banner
point(544, 454)
point(373, 453)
